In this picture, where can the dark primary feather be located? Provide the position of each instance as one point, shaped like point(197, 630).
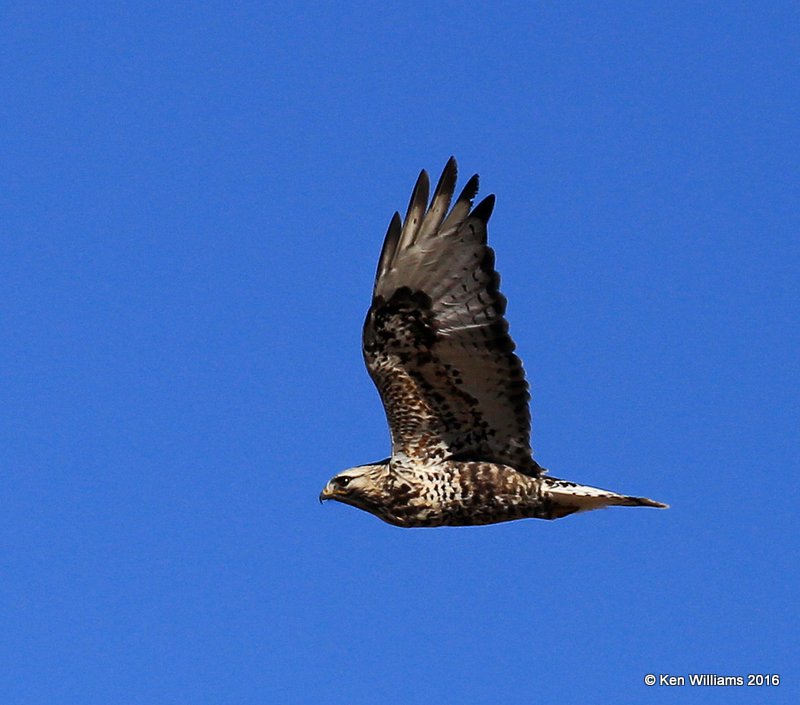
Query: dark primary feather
point(436, 343)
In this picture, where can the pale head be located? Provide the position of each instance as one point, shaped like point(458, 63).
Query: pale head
point(363, 486)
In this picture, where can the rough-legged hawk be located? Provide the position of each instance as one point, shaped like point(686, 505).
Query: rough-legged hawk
point(437, 346)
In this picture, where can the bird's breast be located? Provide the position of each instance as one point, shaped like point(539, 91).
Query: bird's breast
point(460, 494)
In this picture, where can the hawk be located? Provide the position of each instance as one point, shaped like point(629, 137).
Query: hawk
point(437, 346)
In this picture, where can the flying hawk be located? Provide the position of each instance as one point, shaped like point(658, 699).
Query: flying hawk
point(437, 346)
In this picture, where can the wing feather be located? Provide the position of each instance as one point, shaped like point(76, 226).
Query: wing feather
point(436, 343)
point(417, 207)
point(389, 249)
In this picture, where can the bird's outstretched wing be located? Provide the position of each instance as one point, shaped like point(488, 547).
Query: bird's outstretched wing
point(435, 340)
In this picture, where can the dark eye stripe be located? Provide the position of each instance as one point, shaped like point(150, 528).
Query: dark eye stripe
point(342, 481)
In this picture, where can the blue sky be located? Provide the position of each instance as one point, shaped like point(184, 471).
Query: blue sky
point(192, 204)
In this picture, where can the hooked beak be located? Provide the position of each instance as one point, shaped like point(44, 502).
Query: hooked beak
point(326, 494)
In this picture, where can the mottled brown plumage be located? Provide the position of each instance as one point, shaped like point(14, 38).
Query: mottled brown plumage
point(437, 346)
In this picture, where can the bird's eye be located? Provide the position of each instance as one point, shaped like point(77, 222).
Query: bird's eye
point(341, 481)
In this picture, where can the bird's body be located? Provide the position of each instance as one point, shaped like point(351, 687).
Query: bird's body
point(437, 346)
point(449, 493)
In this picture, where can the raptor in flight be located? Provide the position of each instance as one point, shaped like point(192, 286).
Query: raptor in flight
point(437, 346)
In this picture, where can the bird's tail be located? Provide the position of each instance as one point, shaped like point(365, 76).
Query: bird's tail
point(569, 497)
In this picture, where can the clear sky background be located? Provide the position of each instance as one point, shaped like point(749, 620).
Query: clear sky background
point(192, 204)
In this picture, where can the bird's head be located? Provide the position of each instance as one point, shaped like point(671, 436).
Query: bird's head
point(362, 486)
